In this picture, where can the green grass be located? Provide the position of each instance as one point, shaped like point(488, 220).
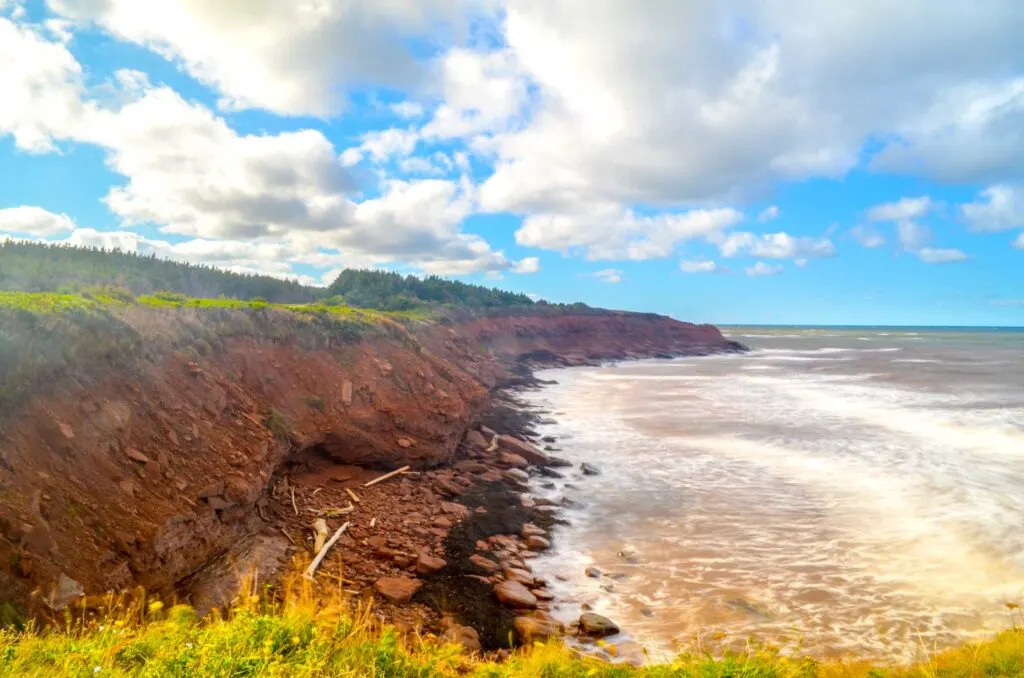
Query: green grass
point(306, 636)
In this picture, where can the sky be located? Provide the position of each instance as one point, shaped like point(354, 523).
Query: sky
point(728, 161)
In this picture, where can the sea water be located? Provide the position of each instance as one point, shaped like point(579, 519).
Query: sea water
point(837, 491)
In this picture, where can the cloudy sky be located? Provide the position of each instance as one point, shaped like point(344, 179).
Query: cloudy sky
point(771, 161)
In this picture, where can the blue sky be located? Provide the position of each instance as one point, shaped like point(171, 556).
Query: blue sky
point(734, 162)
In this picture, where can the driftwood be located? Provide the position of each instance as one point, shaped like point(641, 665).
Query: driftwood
point(335, 512)
point(386, 476)
point(294, 506)
point(355, 497)
point(320, 527)
point(373, 522)
point(494, 445)
point(323, 552)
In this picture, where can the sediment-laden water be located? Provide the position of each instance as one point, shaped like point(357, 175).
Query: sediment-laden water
point(845, 491)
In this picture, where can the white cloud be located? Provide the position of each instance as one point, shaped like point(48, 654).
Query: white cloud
point(1007, 302)
point(407, 109)
point(291, 58)
point(940, 256)
point(913, 236)
point(768, 214)
point(723, 99)
point(698, 266)
point(34, 221)
point(42, 86)
point(382, 144)
point(483, 91)
point(774, 246)
point(902, 209)
point(527, 265)
point(610, 231)
point(763, 269)
point(608, 275)
point(1002, 208)
point(866, 236)
point(1019, 242)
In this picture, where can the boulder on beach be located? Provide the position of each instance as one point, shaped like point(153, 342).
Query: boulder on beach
point(515, 595)
point(485, 564)
point(595, 626)
point(517, 475)
point(397, 590)
point(589, 469)
point(531, 530)
point(513, 460)
point(592, 572)
point(428, 564)
point(533, 628)
point(477, 440)
point(523, 449)
point(535, 543)
point(466, 636)
point(519, 575)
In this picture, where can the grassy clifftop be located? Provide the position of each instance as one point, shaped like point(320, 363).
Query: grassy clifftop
point(303, 638)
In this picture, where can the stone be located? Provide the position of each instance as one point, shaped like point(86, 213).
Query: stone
point(556, 462)
point(522, 449)
point(453, 509)
point(489, 433)
point(128, 487)
point(519, 575)
point(526, 501)
point(517, 475)
point(589, 470)
point(441, 521)
point(533, 628)
point(592, 572)
point(542, 595)
point(428, 564)
point(218, 503)
point(595, 626)
point(135, 455)
point(468, 466)
point(531, 530)
point(484, 564)
point(537, 543)
point(513, 460)
point(466, 636)
point(549, 439)
point(66, 591)
point(397, 590)
point(346, 392)
point(477, 440)
point(405, 443)
point(515, 595)
point(647, 612)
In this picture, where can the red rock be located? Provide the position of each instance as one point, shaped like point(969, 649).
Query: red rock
point(531, 530)
point(477, 440)
point(441, 521)
point(517, 476)
point(428, 564)
point(466, 636)
point(523, 449)
point(483, 563)
point(592, 572)
point(135, 455)
point(533, 628)
point(513, 460)
point(397, 590)
point(521, 576)
point(596, 626)
point(537, 543)
point(515, 595)
point(542, 595)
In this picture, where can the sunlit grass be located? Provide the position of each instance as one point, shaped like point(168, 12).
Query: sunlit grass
point(307, 635)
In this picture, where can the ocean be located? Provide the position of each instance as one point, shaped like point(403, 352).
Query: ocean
point(837, 491)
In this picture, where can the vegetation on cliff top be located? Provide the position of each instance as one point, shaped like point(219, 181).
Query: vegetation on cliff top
point(40, 267)
point(305, 636)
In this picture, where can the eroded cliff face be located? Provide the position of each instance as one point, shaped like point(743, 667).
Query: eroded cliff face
point(145, 474)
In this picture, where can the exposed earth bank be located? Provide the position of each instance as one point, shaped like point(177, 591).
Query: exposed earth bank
point(178, 469)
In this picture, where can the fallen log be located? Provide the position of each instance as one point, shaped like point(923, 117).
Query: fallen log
point(386, 476)
point(352, 494)
point(323, 552)
point(320, 528)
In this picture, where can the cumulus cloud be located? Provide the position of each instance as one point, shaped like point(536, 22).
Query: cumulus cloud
point(292, 58)
point(912, 235)
point(42, 87)
point(613, 232)
point(774, 246)
point(1019, 242)
point(901, 210)
point(768, 214)
point(698, 266)
point(722, 99)
point(527, 265)
point(608, 275)
point(407, 109)
point(866, 236)
point(763, 269)
point(1001, 207)
point(188, 172)
point(940, 256)
point(36, 221)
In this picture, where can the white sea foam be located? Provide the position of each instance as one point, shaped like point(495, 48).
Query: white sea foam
point(864, 506)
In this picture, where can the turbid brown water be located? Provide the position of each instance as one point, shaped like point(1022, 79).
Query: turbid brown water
point(842, 491)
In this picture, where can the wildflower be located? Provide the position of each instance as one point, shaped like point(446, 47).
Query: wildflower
point(295, 640)
point(188, 645)
point(96, 669)
point(156, 606)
